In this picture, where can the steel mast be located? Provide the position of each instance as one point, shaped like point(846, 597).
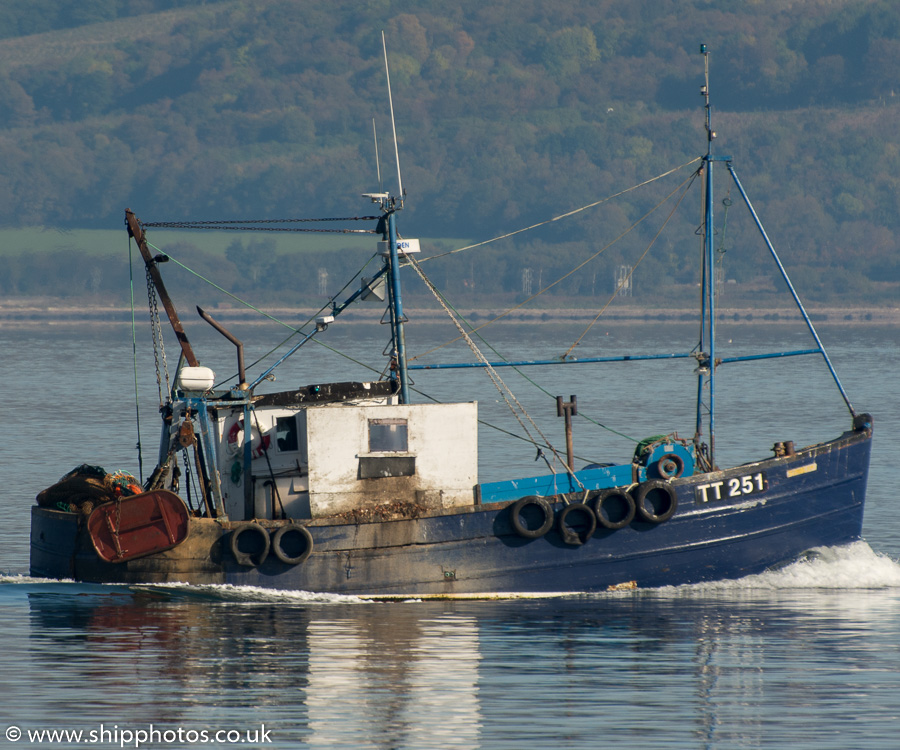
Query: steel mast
point(707, 354)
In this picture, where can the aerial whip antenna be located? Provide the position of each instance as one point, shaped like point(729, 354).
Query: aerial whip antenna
point(393, 123)
point(377, 161)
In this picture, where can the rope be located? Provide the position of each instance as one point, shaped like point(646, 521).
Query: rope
point(565, 215)
point(533, 382)
point(590, 325)
point(574, 270)
point(501, 387)
point(213, 224)
point(258, 225)
point(219, 288)
point(294, 330)
point(137, 401)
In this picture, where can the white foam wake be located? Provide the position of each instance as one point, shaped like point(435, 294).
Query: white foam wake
point(854, 566)
point(242, 594)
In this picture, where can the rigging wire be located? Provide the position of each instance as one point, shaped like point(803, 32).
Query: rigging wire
point(562, 216)
point(504, 390)
point(296, 331)
point(564, 277)
point(258, 225)
point(211, 282)
point(719, 262)
point(137, 401)
point(687, 186)
point(201, 224)
point(526, 377)
point(293, 329)
point(253, 225)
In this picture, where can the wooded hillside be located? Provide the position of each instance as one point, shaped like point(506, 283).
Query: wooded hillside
point(508, 113)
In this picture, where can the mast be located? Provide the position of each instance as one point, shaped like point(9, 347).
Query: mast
point(205, 456)
point(707, 369)
point(396, 305)
point(388, 225)
point(135, 230)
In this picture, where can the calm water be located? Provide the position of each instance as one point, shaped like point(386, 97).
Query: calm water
point(804, 657)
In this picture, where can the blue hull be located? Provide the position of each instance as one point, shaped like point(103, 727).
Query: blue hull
point(782, 508)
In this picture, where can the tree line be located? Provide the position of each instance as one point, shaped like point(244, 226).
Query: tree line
point(508, 112)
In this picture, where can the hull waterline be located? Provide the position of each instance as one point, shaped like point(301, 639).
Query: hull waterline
point(812, 499)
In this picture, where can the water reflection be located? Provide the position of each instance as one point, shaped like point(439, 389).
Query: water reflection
point(691, 667)
point(395, 678)
point(354, 675)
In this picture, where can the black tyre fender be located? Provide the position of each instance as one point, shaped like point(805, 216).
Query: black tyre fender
point(294, 533)
point(656, 501)
point(516, 519)
point(670, 466)
point(570, 535)
point(247, 531)
point(605, 500)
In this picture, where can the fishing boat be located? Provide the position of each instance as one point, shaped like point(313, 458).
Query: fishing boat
point(354, 488)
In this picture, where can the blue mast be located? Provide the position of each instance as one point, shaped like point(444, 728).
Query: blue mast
point(389, 228)
point(707, 355)
point(397, 317)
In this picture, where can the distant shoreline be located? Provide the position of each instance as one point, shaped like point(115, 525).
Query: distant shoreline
point(31, 315)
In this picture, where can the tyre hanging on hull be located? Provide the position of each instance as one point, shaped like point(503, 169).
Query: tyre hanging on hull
point(249, 543)
point(292, 544)
point(577, 535)
point(538, 517)
point(614, 508)
point(656, 501)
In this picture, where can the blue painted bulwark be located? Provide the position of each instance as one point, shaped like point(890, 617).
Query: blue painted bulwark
point(549, 485)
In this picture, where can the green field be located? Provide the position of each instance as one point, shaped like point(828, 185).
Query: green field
point(111, 242)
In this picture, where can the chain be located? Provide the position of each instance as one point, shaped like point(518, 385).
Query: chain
point(188, 479)
point(159, 347)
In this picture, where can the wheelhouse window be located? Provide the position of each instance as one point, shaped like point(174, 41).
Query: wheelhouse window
point(286, 434)
point(388, 436)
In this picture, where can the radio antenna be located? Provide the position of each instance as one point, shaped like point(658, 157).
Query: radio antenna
point(377, 161)
point(393, 123)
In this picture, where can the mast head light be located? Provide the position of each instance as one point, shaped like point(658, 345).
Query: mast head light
point(376, 197)
point(322, 322)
